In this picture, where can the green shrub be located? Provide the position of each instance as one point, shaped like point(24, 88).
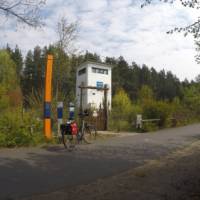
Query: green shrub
point(121, 125)
point(149, 126)
point(157, 110)
point(8, 76)
point(184, 114)
point(17, 132)
point(145, 94)
point(121, 114)
point(191, 99)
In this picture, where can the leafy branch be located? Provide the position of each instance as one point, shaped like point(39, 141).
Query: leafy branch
point(25, 11)
point(193, 28)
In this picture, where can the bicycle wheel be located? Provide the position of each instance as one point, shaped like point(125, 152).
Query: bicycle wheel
point(64, 140)
point(90, 134)
point(79, 137)
point(93, 131)
point(68, 141)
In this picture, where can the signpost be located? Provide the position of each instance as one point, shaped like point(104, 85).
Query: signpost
point(47, 98)
point(99, 84)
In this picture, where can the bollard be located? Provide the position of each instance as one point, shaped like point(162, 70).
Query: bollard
point(59, 116)
point(71, 111)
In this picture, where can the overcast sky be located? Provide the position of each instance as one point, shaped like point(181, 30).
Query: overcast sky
point(117, 27)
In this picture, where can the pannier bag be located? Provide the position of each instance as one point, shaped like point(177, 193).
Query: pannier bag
point(69, 128)
point(74, 128)
point(66, 129)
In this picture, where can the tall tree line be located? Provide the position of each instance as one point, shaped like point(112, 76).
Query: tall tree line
point(130, 77)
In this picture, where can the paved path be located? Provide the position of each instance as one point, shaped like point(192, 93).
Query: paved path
point(31, 171)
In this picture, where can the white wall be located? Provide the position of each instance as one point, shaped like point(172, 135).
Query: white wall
point(93, 97)
point(79, 80)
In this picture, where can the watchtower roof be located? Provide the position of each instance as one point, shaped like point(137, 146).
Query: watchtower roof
point(95, 63)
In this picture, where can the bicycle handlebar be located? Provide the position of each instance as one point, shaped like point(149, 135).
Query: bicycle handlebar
point(83, 114)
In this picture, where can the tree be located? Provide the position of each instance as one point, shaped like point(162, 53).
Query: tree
point(145, 75)
point(38, 75)
point(157, 110)
point(25, 11)
point(193, 28)
point(121, 109)
point(61, 50)
point(8, 76)
point(16, 56)
point(120, 75)
point(145, 94)
point(111, 61)
point(28, 74)
point(172, 86)
point(188, 3)
point(92, 57)
point(67, 34)
point(191, 98)
point(33, 73)
point(197, 78)
point(10, 93)
point(134, 81)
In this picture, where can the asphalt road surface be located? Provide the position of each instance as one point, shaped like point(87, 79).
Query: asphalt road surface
point(30, 171)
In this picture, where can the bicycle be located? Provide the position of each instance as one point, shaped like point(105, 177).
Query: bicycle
point(69, 131)
point(87, 132)
point(68, 135)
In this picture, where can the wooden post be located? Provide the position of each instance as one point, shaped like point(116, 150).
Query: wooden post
point(47, 98)
point(105, 103)
point(105, 108)
point(81, 98)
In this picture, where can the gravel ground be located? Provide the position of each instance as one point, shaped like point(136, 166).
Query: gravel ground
point(175, 176)
point(135, 166)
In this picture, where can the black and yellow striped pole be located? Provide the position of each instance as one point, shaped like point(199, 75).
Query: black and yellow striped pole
point(47, 98)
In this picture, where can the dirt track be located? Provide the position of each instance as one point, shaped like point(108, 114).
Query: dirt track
point(173, 177)
point(117, 168)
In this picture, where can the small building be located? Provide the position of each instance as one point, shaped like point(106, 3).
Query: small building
point(97, 75)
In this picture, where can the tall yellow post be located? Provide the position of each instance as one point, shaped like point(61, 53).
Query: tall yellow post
point(47, 98)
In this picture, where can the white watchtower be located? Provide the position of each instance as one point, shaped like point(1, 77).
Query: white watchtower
point(93, 75)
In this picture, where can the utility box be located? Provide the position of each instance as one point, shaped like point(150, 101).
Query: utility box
point(97, 75)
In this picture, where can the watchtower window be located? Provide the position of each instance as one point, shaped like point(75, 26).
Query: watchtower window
point(99, 70)
point(82, 71)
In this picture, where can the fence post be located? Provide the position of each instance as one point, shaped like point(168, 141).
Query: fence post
point(139, 121)
point(105, 108)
